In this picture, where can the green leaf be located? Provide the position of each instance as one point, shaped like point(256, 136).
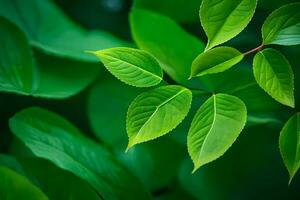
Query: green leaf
point(12, 163)
point(52, 181)
point(289, 143)
point(179, 10)
point(167, 41)
point(215, 127)
point(57, 34)
point(48, 77)
point(103, 98)
point(16, 64)
point(223, 20)
point(283, 26)
point(155, 113)
point(215, 60)
point(133, 66)
point(51, 137)
point(274, 74)
point(14, 186)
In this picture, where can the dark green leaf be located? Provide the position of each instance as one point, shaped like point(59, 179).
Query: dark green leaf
point(289, 145)
point(179, 10)
point(48, 77)
point(50, 30)
point(14, 186)
point(51, 137)
point(167, 41)
point(16, 64)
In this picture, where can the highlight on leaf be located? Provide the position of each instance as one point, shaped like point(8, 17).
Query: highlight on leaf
point(274, 74)
point(215, 60)
point(132, 66)
point(215, 127)
point(156, 112)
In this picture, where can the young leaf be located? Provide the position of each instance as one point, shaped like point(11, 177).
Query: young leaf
point(16, 64)
point(224, 19)
point(167, 41)
point(53, 138)
point(283, 26)
point(215, 60)
point(132, 66)
point(289, 144)
point(56, 183)
point(57, 34)
point(274, 74)
point(155, 113)
point(215, 127)
point(14, 186)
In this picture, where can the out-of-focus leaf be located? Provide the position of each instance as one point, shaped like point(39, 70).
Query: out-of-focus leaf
point(48, 77)
point(215, 127)
point(274, 74)
point(215, 60)
point(49, 29)
point(179, 10)
point(12, 163)
point(16, 64)
point(283, 26)
point(57, 183)
point(14, 186)
point(156, 112)
point(167, 41)
point(239, 81)
point(223, 20)
point(289, 145)
point(52, 137)
point(133, 66)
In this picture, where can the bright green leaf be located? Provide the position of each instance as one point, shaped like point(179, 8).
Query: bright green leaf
point(155, 113)
point(289, 143)
point(14, 186)
point(224, 19)
point(49, 29)
point(274, 74)
point(215, 60)
point(167, 41)
point(132, 66)
point(283, 26)
point(51, 137)
point(215, 127)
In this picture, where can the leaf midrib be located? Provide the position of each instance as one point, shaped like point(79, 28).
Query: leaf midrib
point(212, 125)
point(275, 74)
point(157, 108)
point(223, 24)
point(134, 66)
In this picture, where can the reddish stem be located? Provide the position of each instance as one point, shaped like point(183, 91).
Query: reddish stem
point(254, 50)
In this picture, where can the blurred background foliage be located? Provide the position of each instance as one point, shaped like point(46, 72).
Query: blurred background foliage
point(251, 169)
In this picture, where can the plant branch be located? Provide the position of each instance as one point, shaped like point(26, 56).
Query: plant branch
point(254, 50)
